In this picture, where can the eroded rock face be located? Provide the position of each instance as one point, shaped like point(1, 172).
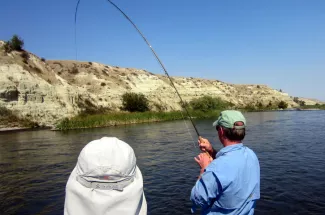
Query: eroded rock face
point(48, 91)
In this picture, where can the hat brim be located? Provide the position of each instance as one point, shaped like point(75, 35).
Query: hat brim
point(215, 123)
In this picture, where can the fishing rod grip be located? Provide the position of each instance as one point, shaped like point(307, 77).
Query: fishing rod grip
point(200, 138)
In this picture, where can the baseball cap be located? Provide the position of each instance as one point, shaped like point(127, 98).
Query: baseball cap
point(228, 118)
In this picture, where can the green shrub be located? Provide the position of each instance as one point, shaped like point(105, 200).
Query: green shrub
point(282, 105)
point(250, 107)
point(15, 44)
point(207, 103)
point(134, 102)
point(295, 99)
point(302, 103)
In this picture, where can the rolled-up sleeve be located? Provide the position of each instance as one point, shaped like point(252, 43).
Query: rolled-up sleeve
point(205, 191)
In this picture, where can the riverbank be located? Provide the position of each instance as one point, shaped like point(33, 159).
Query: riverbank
point(10, 122)
point(125, 118)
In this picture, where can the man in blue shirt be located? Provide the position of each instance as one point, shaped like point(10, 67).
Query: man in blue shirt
point(229, 181)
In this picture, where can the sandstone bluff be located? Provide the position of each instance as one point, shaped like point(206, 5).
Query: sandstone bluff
point(48, 91)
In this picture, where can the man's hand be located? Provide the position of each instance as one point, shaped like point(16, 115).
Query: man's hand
point(205, 145)
point(203, 160)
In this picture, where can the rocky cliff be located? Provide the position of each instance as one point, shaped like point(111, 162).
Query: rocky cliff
point(48, 91)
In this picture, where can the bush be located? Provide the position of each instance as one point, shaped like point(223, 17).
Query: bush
point(283, 105)
point(102, 84)
point(7, 47)
point(43, 59)
point(302, 103)
point(134, 102)
point(15, 44)
point(9, 119)
point(4, 111)
point(74, 70)
point(250, 107)
point(260, 105)
point(25, 56)
point(207, 103)
point(295, 99)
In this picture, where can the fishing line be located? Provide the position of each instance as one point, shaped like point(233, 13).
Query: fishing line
point(75, 29)
point(156, 56)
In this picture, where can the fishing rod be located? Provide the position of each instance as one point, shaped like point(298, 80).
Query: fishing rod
point(162, 65)
point(156, 56)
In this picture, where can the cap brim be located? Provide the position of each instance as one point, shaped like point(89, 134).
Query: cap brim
point(215, 123)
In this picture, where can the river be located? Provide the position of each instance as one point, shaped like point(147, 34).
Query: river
point(290, 145)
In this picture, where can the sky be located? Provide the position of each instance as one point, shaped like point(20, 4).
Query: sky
point(278, 43)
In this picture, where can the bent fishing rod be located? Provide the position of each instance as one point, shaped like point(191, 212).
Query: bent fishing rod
point(156, 56)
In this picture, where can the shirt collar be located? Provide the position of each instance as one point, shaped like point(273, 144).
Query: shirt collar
point(229, 149)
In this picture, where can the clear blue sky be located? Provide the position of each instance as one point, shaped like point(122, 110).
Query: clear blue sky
point(280, 43)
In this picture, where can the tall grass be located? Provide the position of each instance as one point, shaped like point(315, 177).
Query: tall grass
point(317, 106)
point(113, 119)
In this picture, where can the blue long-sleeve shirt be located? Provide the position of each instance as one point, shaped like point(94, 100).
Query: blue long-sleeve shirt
point(230, 184)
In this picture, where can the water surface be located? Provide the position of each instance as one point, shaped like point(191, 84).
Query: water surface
point(35, 165)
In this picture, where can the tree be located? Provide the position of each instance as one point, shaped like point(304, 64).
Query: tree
point(15, 44)
point(134, 102)
point(295, 99)
point(302, 103)
point(283, 105)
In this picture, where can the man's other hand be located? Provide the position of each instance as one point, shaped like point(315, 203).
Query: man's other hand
point(203, 160)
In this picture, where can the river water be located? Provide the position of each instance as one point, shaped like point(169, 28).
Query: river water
point(35, 165)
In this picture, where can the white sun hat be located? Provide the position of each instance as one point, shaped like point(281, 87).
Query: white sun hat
point(106, 180)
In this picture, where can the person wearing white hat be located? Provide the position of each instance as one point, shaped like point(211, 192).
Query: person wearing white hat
point(105, 180)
